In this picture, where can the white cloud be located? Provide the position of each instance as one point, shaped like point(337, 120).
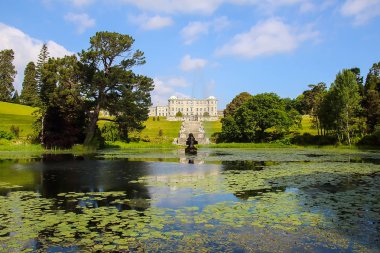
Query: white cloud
point(266, 38)
point(170, 6)
point(80, 3)
point(194, 30)
point(151, 23)
point(189, 64)
point(26, 49)
point(220, 23)
point(82, 21)
point(361, 10)
point(166, 87)
point(210, 6)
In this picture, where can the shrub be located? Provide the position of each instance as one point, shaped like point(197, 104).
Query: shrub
point(372, 139)
point(15, 130)
point(308, 139)
point(6, 135)
point(110, 132)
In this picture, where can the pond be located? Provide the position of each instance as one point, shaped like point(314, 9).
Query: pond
point(233, 200)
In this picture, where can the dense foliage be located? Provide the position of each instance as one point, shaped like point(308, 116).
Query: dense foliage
point(239, 100)
point(73, 91)
point(258, 114)
point(7, 75)
point(29, 93)
point(348, 112)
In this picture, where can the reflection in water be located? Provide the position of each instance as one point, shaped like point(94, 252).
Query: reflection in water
point(180, 203)
point(245, 195)
point(247, 165)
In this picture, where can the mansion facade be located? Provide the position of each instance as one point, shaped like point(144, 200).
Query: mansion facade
point(187, 109)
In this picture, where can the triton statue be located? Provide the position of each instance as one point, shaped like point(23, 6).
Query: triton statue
point(190, 142)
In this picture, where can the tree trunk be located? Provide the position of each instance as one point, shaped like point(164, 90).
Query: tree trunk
point(42, 129)
point(92, 126)
point(348, 130)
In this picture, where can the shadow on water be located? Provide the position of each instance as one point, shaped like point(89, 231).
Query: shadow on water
point(247, 165)
point(65, 173)
point(245, 195)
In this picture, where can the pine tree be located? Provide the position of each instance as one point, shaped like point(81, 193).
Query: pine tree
point(16, 98)
point(43, 58)
point(29, 94)
point(7, 74)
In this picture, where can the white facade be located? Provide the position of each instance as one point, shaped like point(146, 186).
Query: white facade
point(190, 108)
point(155, 111)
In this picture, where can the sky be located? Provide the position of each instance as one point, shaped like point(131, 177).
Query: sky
point(202, 48)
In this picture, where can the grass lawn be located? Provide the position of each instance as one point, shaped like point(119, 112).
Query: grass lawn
point(170, 130)
point(17, 115)
point(212, 127)
point(307, 126)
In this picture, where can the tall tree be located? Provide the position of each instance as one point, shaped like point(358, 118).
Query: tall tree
point(29, 94)
point(7, 74)
point(238, 101)
point(372, 97)
point(64, 109)
point(43, 58)
point(359, 80)
point(43, 88)
point(109, 84)
point(372, 81)
point(345, 93)
point(311, 101)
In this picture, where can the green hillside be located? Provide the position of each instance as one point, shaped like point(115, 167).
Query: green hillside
point(18, 116)
point(169, 129)
point(212, 127)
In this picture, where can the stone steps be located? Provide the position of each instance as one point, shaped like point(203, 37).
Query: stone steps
point(194, 127)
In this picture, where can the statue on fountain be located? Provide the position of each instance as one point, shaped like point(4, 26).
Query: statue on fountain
point(190, 142)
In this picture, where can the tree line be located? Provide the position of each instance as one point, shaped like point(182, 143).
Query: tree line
point(71, 91)
point(347, 112)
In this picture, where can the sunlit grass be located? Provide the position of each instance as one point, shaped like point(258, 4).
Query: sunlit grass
point(212, 127)
point(17, 115)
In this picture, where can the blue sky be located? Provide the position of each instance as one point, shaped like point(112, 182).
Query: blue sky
point(199, 48)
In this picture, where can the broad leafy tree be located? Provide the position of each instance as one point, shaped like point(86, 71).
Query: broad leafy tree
point(345, 104)
point(29, 94)
point(238, 101)
point(109, 84)
point(7, 75)
point(259, 114)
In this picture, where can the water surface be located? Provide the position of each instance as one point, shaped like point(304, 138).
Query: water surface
point(219, 200)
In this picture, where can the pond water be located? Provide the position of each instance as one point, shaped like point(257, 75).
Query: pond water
point(289, 200)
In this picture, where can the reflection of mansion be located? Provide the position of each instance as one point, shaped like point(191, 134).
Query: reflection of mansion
point(187, 109)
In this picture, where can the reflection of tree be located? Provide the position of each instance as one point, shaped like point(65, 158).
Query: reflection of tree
point(247, 165)
point(62, 174)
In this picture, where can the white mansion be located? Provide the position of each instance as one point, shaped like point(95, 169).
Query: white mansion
point(187, 109)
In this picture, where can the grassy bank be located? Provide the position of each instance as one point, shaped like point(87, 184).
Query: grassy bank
point(212, 127)
point(17, 115)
